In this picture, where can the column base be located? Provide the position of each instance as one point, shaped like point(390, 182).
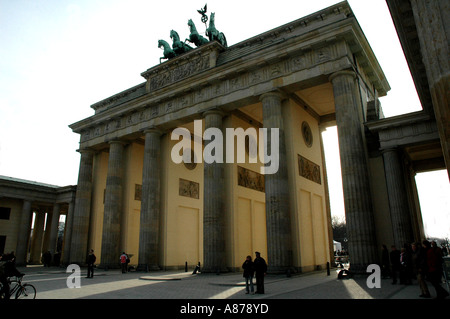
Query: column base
point(281, 270)
point(358, 269)
point(147, 268)
point(109, 266)
point(214, 270)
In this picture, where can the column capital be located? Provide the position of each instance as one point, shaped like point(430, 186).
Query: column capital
point(277, 94)
point(214, 111)
point(117, 142)
point(86, 151)
point(152, 129)
point(390, 149)
point(350, 73)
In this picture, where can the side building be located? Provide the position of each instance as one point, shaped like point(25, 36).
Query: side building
point(29, 218)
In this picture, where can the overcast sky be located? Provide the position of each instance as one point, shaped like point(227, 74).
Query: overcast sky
point(58, 57)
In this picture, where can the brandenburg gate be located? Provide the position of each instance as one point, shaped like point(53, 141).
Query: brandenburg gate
point(301, 77)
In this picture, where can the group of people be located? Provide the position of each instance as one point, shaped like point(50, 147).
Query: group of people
point(47, 259)
point(91, 258)
point(423, 262)
point(256, 268)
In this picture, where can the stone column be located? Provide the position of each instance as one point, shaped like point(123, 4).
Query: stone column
point(278, 215)
point(54, 228)
point(432, 24)
point(355, 179)
point(68, 234)
point(37, 238)
point(113, 207)
point(24, 233)
point(398, 200)
point(149, 233)
point(213, 207)
point(82, 212)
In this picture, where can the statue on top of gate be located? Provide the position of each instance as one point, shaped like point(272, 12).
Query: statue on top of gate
point(195, 37)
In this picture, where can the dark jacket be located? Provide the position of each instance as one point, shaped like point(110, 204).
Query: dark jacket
point(419, 261)
point(394, 256)
point(260, 266)
point(91, 259)
point(249, 269)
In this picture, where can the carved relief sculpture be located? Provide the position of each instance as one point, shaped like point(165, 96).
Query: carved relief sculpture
point(250, 179)
point(308, 169)
point(189, 188)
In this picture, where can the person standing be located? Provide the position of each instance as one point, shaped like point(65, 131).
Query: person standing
point(90, 263)
point(385, 269)
point(248, 274)
point(394, 256)
point(418, 259)
point(260, 271)
point(47, 258)
point(123, 262)
point(434, 269)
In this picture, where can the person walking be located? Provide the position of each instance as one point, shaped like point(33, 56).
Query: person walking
point(90, 263)
point(385, 269)
point(123, 262)
point(434, 269)
point(260, 271)
point(418, 260)
point(405, 266)
point(394, 256)
point(249, 271)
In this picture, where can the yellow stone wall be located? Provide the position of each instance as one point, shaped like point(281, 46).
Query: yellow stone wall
point(134, 161)
point(182, 216)
point(309, 215)
point(245, 207)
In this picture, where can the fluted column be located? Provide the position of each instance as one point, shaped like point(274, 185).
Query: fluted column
point(432, 25)
point(82, 212)
point(355, 178)
point(54, 228)
point(149, 232)
point(37, 238)
point(24, 233)
point(213, 207)
point(68, 233)
point(398, 200)
point(278, 219)
point(113, 207)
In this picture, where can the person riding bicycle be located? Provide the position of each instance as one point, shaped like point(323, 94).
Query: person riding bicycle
point(7, 269)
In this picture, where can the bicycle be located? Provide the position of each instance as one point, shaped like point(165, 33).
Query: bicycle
point(21, 291)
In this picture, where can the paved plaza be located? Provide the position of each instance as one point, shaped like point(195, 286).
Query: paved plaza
point(179, 294)
point(51, 283)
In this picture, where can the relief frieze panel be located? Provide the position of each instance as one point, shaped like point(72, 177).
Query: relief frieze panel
point(179, 73)
point(250, 179)
point(309, 169)
point(221, 86)
point(188, 188)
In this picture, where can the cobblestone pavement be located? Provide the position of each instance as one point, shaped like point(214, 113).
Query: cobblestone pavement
point(51, 283)
point(181, 294)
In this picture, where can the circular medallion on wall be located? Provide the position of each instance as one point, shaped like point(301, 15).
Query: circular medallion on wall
point(307, 134)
